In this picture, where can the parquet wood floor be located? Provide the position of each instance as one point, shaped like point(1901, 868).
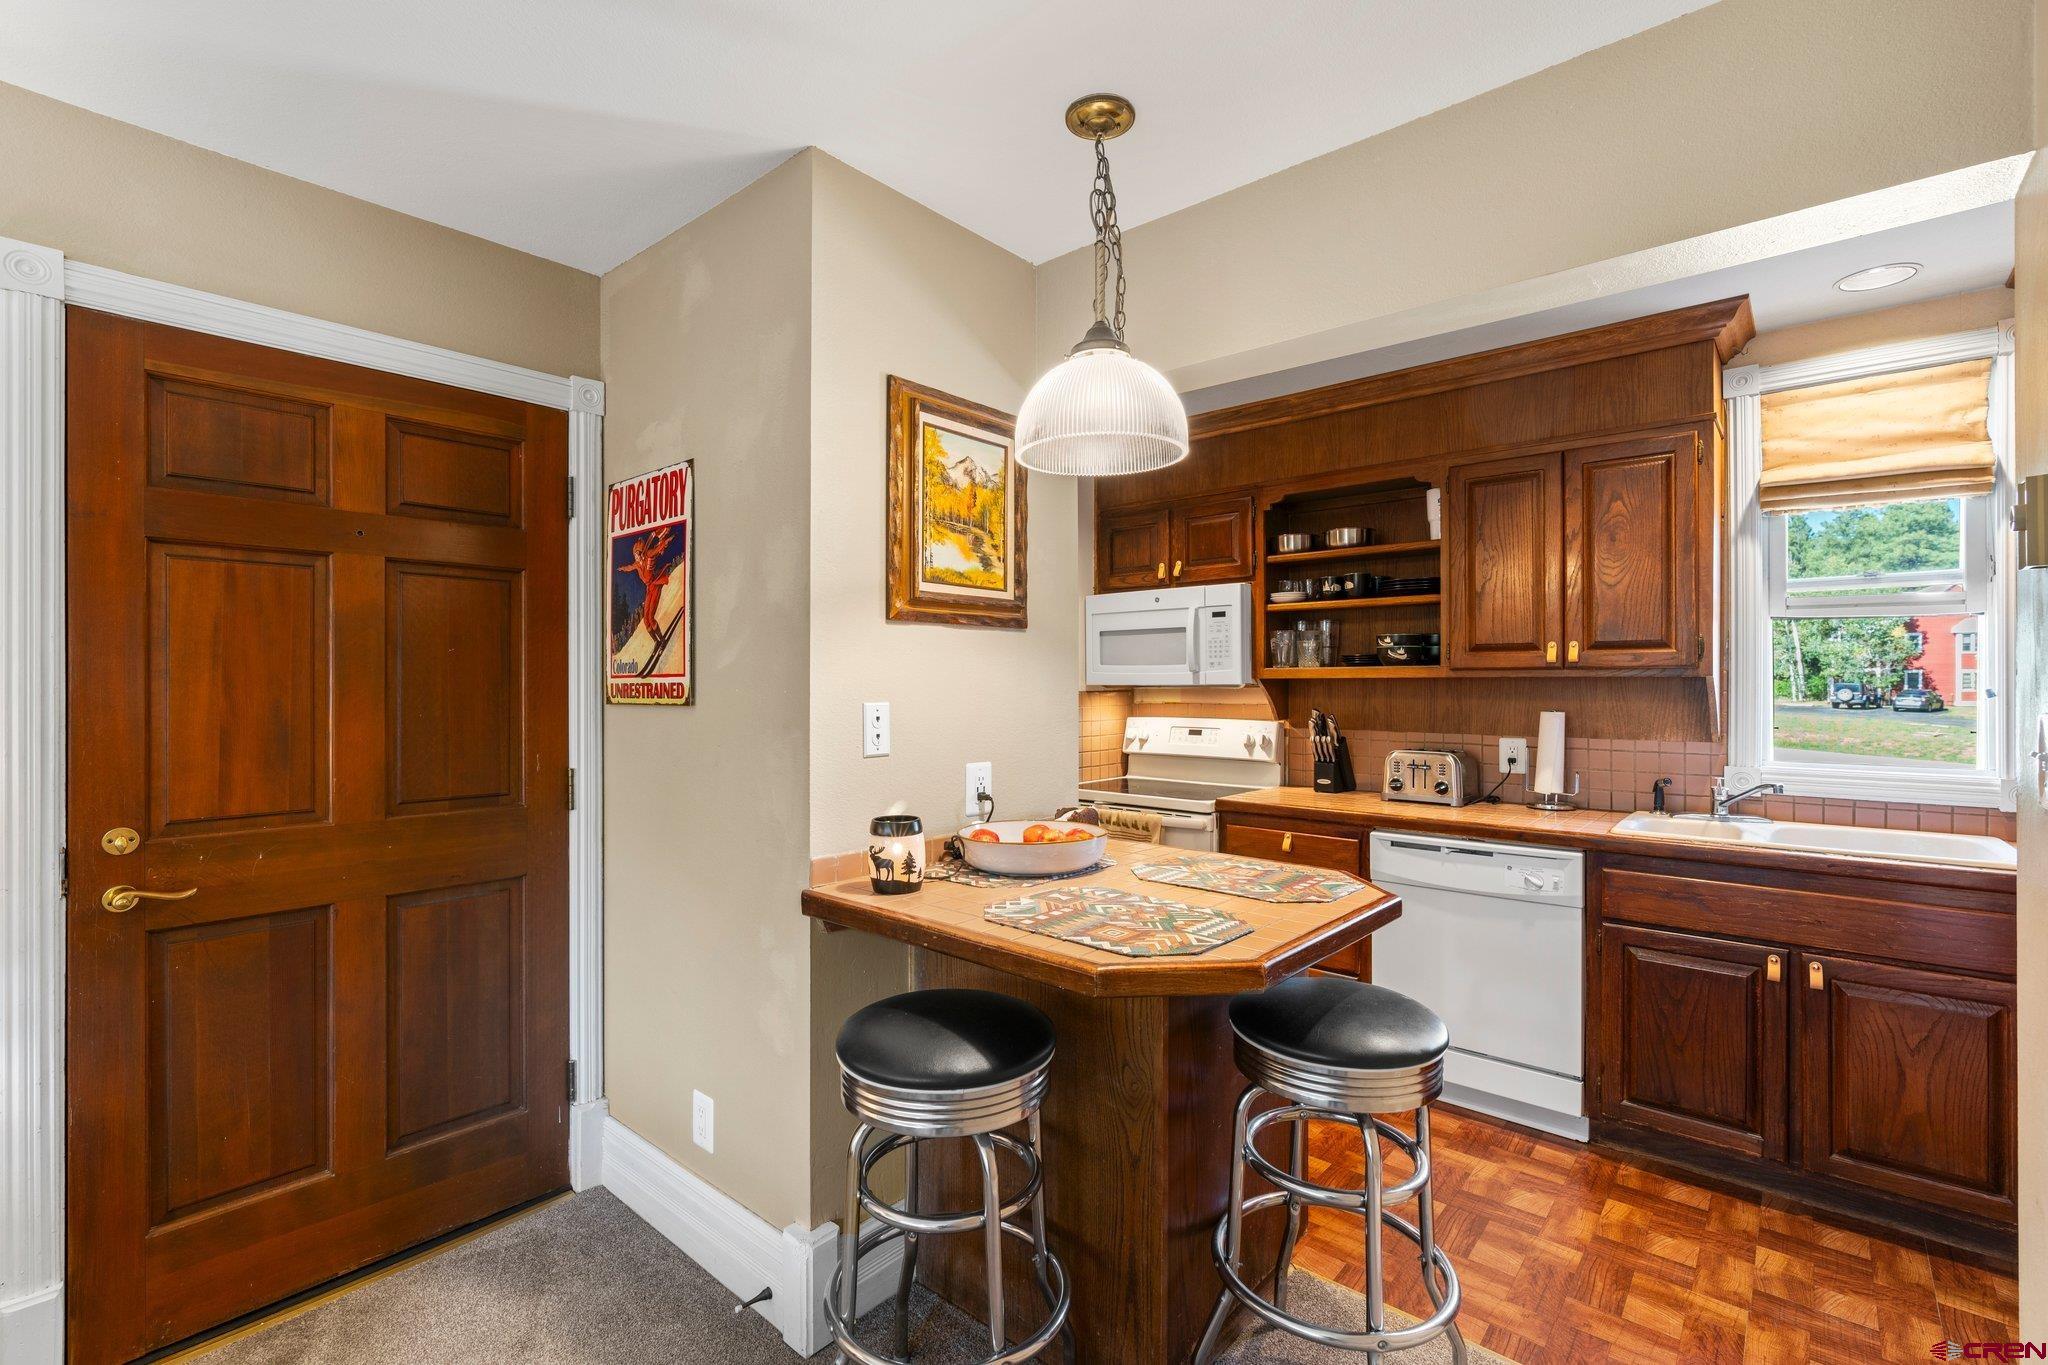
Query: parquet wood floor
point(1567, 1254)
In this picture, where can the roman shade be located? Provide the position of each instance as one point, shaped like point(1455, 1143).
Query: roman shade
point(1885, 438)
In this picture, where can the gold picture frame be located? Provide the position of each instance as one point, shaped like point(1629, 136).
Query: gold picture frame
point(957, 523)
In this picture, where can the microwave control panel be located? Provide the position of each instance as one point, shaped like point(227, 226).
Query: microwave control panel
point(1219, 639)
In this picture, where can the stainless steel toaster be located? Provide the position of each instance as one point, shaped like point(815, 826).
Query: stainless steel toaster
point(1442, 777)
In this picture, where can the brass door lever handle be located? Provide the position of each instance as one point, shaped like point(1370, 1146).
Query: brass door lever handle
point(121, 899)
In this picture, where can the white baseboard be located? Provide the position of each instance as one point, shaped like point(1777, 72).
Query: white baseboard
point(32, 1329)
point(739, 1249)
point(586, 1143)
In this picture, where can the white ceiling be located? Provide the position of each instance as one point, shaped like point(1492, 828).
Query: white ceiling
point(1957, 253)
point(585, 130)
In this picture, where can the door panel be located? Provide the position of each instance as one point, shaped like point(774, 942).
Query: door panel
point(1212, 540)
point(316, 657)
point(1905, 1082)
point(1693, 1034)
point(1631, 588)
point(1132, 549)
point(1502, 576)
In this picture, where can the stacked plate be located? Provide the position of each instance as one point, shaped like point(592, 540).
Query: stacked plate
point(1283, 597)
point(1410, 587)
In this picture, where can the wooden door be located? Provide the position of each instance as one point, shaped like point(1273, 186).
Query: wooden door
point(1133, 549)
point(1502, 577)
point(1906, 1082)
point(1212, 540)
point(317, 666)
point(1693, 1037)
point(1631, 551)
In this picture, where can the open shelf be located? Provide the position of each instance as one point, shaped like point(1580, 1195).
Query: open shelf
point(1380, 671)
point(1355, 603)
point(1402, 547)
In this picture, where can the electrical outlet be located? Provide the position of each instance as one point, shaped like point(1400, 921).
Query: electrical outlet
point(1514, 756)
point(700, 1119)
point(981, 777)
point(874, 729)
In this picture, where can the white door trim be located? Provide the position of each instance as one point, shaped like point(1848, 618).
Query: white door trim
point(36, 283)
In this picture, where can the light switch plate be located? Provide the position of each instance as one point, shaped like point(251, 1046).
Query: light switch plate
point(980, 778)
point(874, 729)
point(1514, 756)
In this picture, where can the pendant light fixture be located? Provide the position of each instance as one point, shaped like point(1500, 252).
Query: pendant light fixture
point(1102, 410)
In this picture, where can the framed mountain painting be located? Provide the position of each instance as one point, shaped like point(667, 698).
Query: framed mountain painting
point(956, 511)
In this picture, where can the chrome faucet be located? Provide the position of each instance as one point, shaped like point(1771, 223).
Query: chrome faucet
point(1723, 798)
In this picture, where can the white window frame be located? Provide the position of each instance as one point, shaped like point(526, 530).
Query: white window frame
point(1756, 591)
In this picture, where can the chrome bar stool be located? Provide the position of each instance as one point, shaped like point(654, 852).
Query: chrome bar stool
point(1350, 1052)
point(945, 1064)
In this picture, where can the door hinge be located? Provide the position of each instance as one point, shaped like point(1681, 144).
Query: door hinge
point(64, 872)
point(1699, 647)
point(572, 1080)
point(572, 789)
point(572, 497)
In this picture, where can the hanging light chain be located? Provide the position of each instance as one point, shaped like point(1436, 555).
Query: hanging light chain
point(1109, 243)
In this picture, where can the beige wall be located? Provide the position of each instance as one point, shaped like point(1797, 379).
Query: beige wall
point(1735, 113)
point(112, 194)
point(707, 355)
point(2031, 457)
point(897, 289)
point(1908, 322)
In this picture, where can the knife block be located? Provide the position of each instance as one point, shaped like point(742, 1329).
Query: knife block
point(1334, 775)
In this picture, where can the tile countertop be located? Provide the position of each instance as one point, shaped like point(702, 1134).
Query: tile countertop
point(1584, 829)
point(946, 917)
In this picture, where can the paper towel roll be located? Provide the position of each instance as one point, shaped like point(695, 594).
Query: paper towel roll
point(1549, 770)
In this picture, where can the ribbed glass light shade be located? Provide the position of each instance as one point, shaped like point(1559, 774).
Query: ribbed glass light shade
point(1101, 411)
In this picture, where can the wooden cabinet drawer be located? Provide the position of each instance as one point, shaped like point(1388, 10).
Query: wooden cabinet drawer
point(1310, 850)
point(1294, 846)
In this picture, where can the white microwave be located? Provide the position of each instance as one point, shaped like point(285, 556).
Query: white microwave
point(1171, 637)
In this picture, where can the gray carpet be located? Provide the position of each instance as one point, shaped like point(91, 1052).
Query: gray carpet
point(584, 1280)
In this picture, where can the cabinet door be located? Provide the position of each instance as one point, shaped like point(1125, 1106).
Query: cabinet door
point(1310, 850)
point(1692, 1037)
point(1906, 1082)
point(1502, 579)
point(1212, 540)
point(1132, 549)
point(1631, 555)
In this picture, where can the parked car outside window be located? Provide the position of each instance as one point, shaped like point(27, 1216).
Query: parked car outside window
point(1855, 695)
point(1919, 699)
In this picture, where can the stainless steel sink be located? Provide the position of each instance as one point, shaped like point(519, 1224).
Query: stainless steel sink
point(1889, 845)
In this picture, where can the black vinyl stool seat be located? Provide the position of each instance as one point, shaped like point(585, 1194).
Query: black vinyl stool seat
point(946, 1064)
point(1348, 1052)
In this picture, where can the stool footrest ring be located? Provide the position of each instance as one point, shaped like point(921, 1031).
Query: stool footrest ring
point(965, 1221)
point(1062, 1299)
point(1307, 1191)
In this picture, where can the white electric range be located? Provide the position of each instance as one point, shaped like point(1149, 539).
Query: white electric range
point(1178, 768)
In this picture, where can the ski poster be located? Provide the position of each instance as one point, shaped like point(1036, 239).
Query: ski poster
point(648, 629)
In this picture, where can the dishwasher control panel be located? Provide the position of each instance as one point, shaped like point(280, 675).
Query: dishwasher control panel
point(1508, 871)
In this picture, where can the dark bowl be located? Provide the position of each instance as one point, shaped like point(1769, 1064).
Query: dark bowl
point(1359, 660)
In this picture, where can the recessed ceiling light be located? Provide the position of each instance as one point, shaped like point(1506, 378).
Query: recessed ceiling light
point(1878, 277)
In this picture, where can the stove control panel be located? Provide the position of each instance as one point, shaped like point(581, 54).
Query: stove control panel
point(1441, 777)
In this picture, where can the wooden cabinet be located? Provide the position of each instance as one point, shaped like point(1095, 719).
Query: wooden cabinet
point(1906, 1082)
point(1504, 563)
point(1588, 558)
point(1337, 852)
point(1693, 1038)
point(1132, 549)
point(1633, 541)
point(1204, 540)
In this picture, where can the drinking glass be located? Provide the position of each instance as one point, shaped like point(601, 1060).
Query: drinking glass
point(1280, 649)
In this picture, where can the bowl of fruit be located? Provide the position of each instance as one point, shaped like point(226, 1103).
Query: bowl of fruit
point(1032, 848)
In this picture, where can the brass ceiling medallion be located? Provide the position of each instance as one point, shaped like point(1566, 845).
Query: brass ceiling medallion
point(1100, 116)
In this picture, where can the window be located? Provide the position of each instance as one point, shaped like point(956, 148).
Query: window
point(1846, 598)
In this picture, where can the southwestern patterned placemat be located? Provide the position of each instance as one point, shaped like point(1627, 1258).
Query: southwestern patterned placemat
point(1119, 921)
point(954, 869)
point(1253, 877)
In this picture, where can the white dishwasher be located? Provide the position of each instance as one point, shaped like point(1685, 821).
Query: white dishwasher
point(1491, 937)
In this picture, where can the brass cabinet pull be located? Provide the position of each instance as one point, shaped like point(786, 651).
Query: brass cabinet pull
point(121, 899)
point(1550, 652)
point(1814, 978)
point(1773, 967)
point(1176, 568)
point(1571, 653)
point(1162, 570)
point(1287, 842)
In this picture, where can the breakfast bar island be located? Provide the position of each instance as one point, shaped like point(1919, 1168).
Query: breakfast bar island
point(1137, 1123)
